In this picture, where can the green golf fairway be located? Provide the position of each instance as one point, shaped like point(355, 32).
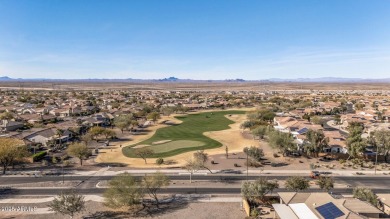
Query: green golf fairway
point(187, 136)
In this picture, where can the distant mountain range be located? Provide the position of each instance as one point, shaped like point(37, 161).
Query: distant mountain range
point(174, 79)
point(330, 80)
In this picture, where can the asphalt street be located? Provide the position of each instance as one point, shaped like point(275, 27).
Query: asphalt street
point(193, 190)
point(351, 180)
point(88, 186)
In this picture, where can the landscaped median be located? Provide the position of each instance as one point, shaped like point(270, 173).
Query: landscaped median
point(184, 137)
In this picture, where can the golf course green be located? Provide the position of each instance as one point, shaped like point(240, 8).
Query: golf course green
point(186, 136)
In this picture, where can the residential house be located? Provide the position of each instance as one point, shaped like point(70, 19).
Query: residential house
point(336, 142)
point(36, 118)
point(322, 206)
point(46, 135)
point(99, 119)
point(9, 125)
point(361, 117)
point(385, 200)
point(283, 124)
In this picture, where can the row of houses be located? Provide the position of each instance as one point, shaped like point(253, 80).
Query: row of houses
point(299, 127)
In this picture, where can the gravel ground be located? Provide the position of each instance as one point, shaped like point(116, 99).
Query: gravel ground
point(179, 210)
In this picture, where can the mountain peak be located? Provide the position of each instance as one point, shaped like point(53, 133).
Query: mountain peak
point(5, 78)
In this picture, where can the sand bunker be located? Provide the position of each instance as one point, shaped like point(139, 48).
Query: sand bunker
point(160, 142)
point(141, 146)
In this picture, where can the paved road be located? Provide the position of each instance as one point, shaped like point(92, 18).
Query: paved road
point(327, 125)
point(91, 181)
point(99, 191)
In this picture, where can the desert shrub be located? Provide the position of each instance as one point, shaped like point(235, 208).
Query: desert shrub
point(357, 161)
point(252, 163)
point(39, 156)
point(159, 161)
point(255, 212)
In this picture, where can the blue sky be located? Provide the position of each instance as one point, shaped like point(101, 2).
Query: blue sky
point(199, 39)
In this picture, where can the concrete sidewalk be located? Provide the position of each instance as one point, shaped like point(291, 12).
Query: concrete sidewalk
point(222, 172)
point(107, 172)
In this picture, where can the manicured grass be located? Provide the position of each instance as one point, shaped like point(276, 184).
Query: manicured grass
point(192, 129)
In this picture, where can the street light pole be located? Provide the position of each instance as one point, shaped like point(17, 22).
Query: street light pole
point(62, 173)
point(376, 158)
point(247, 166)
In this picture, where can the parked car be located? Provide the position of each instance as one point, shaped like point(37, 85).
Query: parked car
point(315, 174)
point(278, 164)
point(295, 154)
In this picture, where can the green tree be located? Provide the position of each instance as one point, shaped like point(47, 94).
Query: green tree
point(96, 131)
point(260, 131)
point(167, 111)
point(154, 116)
point(87, 138)
point(382, 141)
point(247, 125)
point(11, 149)
point(133, 123)
point(254, 152)
point(284, 142)
point(108, 133)
point(153, 183)
point(315, 142)
point(325, 183)
point(79, 150)
point(317, 120)
point(123, 191)
point(367, 195)
point(6, 116)
point(297, 183)
point(355, 142)
point(258, 189)
point(123, 121)
point(143, 153)
point(261, 116)
point(68, 203)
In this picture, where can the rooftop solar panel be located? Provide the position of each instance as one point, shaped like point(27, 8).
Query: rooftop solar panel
point(301, 131)
point(329, 211)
